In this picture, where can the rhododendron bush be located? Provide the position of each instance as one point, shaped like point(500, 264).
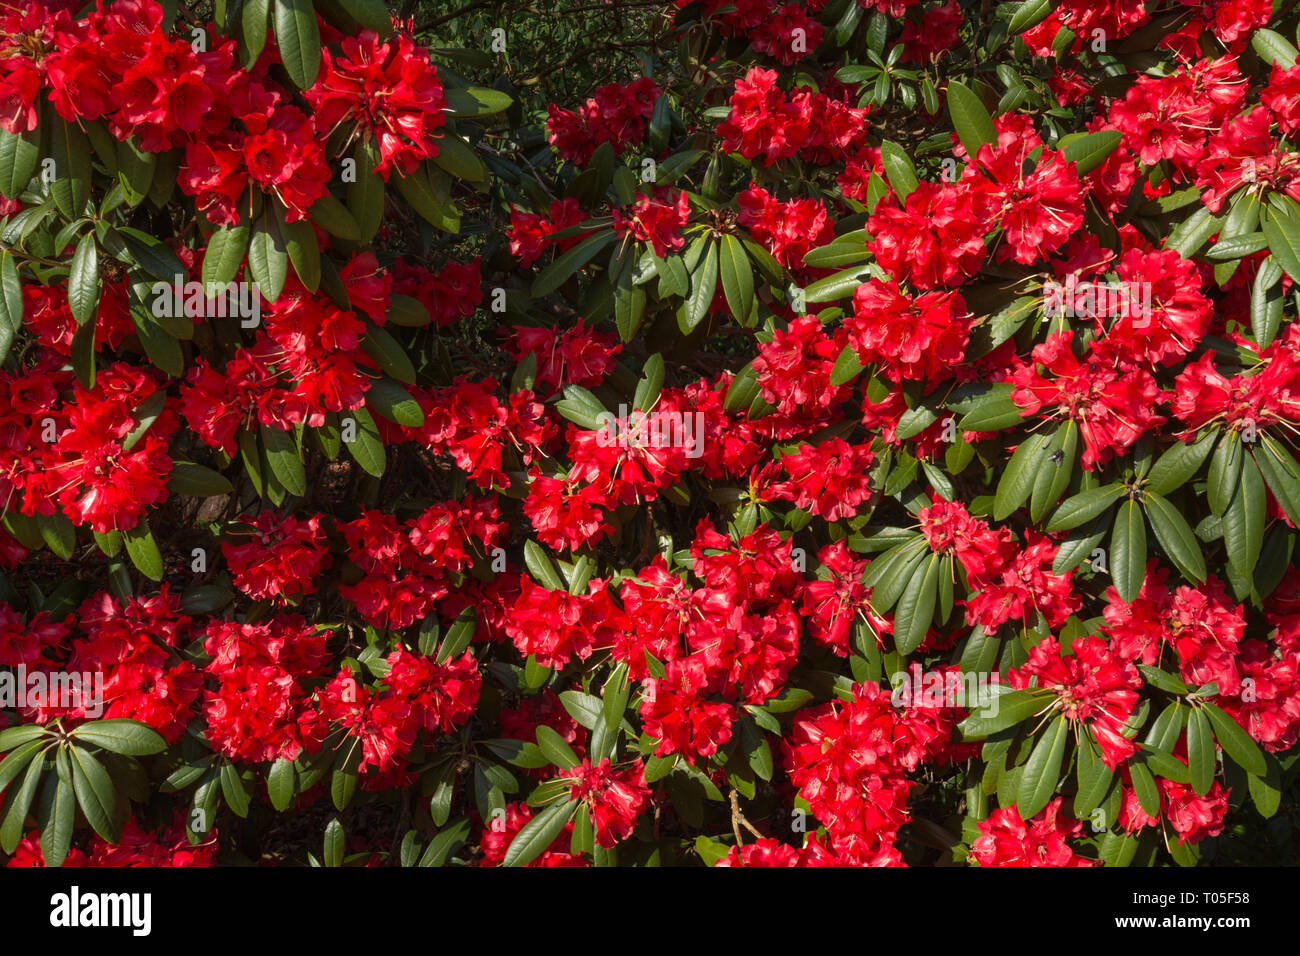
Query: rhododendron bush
point(849, 433)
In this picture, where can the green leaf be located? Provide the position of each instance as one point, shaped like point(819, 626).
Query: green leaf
point(1188, 236)
point(58, 533)
point(131, 738)
point(365, 446)
point(1084, 507)
point(916, 607)
point(224, 255)
point(1145, 787)
point(284, 459)
point(281, 783)
point(1008, 708)
point(1039, 779)
point(652, 380)
point(253, 20)
point(1283, 232)
point(970, 119)
point(268, 260)
point(335, 218)
point(188, 478)
point(1128, 551)
point(1176, 537)
point(19, 153)
point(407, 312)
point(429, 198)
point(298, 37)
point(1266, 302)
point(459, 636)
point(456, 157)
point(304, 252)
point(1281, 474)
point(11, 301)
point(83, 280)
point(394, 403)
point(13, 737)
point(332, 854)
point(991, 411)
point(71, 153)
point(1243, 521)
point(476, 101)
point(142, 549)
point(1236, 743)
point(366, 191)
point(840, 285)
point(1028, 14)
point(446, 842)
point(58, 813)
point(1265, 790)
point(898, 168)
point(1094, 779)
point(17, 802)
point(1091, 151)
point(539, 832)
point(737, 278)
point(1200, 751)
point(1225, 472)
point(1030, 458)
point(1179, 464)
point(704, 285)
point(566, 264)
point(1273, 48)
point(742, 391)
point(95, 794)
point(540, 566)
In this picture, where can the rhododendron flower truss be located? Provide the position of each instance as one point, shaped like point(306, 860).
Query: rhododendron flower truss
point(727, 432)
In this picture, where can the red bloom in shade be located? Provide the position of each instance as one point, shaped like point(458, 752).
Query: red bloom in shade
point(452, 293)
point(835, 603)
point(1094, 687)
point(501, 833)
point(557, 626)
point(88, 473)
point(1269, 395)
point(769, 852)
point(1007, 840)
point(1111, 408)
point(675, 710)
point(616, 115)
point(657, 219)
point(532, 233)
point(614, 798)
point(794, 369)
point(830, 479)
point(1192, 816)
point(913, 338)
point(1282, 97)
point(574, 356)
point(1023, 586)
point(849, 761)
point(935, 238)
point(284, 158)
point(787, 229)
point(950, 529)
point(387, 91)
point(936, 33)
point(565, 516)
point(1038, 210)
point(280, 559)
